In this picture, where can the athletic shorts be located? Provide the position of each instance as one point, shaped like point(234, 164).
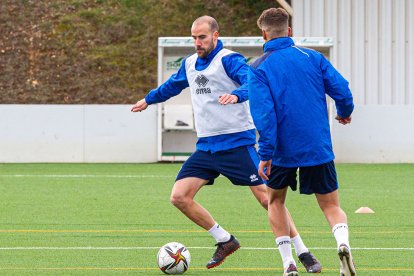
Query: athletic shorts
point(320, 179)
point(239, 165)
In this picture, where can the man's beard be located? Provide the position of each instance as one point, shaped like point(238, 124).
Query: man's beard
point(205, 51)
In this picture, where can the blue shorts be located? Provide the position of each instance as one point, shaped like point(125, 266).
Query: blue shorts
point(239, 165)
point(320, 179)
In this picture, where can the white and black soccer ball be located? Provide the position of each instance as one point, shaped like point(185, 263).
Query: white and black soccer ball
point(173, 258)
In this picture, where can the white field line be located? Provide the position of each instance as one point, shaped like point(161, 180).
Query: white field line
point(194, 247)
point(86, 176)
point(131, 176)
point(92, 231)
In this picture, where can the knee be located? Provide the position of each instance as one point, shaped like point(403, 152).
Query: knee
point(178, 200)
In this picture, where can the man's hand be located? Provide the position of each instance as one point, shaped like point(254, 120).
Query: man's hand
point(261, 170)
point(343, 121)
point(228, 99)
point(139, 106)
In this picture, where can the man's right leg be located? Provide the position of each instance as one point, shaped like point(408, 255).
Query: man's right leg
point(182, 197)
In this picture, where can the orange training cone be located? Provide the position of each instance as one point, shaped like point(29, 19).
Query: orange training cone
point(364, 210)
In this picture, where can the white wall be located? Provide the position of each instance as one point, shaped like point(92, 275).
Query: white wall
point(77, 133)
point(111, 133)
point(377, 134)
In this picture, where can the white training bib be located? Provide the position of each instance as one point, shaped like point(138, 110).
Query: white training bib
point(206, 86)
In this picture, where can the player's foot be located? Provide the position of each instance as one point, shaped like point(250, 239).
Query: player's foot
point(223, 250)
point(347, 267)
point(291, 271)
point(309, 261)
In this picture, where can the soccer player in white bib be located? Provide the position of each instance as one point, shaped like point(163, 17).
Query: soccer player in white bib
point(217, 78)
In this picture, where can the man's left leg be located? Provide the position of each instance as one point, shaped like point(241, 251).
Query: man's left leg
point(311, 264)
point(336, 217)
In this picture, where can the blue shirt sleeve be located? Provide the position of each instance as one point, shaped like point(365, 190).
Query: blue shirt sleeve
point(263, 112)
point(172, 87)
point(336, 86)
point(237, 69)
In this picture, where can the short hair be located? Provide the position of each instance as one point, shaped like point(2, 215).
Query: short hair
point(274, 21)
point(212, 23)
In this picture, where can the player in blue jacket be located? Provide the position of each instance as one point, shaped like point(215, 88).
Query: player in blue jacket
point(217, 78)
point(287, 92)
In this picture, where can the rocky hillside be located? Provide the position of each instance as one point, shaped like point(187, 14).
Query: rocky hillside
point(97, 51)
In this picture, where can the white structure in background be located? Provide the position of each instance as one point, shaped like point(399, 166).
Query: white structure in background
point(176, 134)
point(77, 134)
point(374, 50)
point(374, 44)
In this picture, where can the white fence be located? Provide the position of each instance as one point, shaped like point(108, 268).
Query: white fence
point(111, 133)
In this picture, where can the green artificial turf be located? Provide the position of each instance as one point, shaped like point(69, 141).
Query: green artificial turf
point(106, 219)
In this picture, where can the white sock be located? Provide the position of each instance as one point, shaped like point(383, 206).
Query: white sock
point(219, 233)
point(285, 250)
point(299, 246)
point(340, 232)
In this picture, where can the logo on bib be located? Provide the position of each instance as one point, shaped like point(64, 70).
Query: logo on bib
point(202, 81)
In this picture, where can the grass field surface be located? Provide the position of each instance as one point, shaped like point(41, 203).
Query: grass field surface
point(111, 219)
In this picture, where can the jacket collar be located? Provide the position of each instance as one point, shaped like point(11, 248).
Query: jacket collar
point(278, 43)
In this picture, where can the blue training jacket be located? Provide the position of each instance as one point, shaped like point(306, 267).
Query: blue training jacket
point(287, 90)
point(237, 69)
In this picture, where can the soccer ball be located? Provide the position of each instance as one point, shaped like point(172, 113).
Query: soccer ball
point(173, 258)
